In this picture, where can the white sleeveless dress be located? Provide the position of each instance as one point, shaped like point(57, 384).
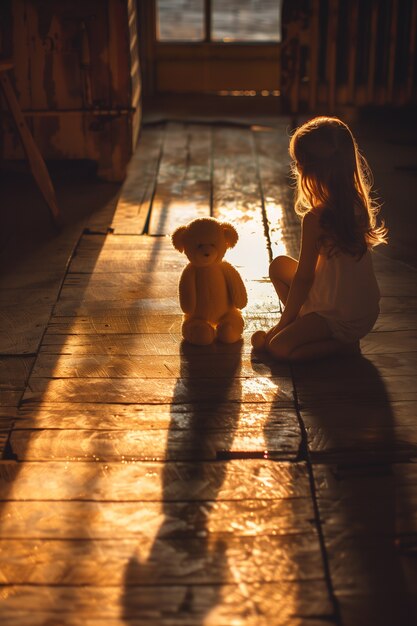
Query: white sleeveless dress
point(345, 292)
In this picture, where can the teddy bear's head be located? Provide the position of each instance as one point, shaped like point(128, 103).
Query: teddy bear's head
point(204, 240)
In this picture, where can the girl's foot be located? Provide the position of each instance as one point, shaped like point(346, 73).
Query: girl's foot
point(258, 340)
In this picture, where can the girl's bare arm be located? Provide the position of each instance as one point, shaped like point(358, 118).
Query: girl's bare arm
point(304, 275)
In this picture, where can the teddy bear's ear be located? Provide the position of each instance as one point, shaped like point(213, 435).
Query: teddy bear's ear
point(178, 238)
point(230, 234)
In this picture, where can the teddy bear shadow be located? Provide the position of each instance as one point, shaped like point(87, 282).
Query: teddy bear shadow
point(354, 446)
point(187, 565)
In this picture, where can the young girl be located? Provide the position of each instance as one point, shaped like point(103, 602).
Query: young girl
point(330, 294)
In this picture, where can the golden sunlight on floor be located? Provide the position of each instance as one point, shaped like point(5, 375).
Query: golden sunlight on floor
point(150, 482)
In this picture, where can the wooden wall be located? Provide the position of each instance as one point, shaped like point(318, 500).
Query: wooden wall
point(76, 75)
point(341, 53)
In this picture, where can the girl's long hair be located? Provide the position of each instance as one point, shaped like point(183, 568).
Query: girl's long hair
point(334, 177)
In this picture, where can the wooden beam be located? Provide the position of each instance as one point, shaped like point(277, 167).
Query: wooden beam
point(331, 53)
point(353, 38)
point(411, 53)
point(36, 162)
point(147, 31)
point(372, 51)
point(314, 54)
point(207, 20)
point(391, 54)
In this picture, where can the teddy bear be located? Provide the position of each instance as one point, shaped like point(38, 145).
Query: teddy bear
point(211, 291)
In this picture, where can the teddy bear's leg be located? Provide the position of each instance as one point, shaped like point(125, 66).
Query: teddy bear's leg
point(230, 327)
point(198, 332)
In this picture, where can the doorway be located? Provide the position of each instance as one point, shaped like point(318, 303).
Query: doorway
point(211, 48)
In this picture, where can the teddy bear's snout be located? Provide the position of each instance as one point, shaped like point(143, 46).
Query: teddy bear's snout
point(207, 251)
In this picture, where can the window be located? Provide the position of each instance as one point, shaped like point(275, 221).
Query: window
point(246, 20)
point(180, 20)
point(230, 22)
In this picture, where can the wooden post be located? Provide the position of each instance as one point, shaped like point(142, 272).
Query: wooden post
point(148, 32)
point(120, 134)
point(411, 52)
point(207, 21)
point(391, 54)
point(372, 52)
point(353, 38)
point(331, 53)
point(135, 82)
point(314, 54)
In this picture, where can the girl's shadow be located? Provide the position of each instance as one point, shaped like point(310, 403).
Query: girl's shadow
point(353, 447)
point(187, 562)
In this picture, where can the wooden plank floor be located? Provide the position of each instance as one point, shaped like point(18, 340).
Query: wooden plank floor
point(147, 482)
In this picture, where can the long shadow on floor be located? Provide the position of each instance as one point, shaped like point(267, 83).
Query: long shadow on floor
point(182, 577)
point(354, 444)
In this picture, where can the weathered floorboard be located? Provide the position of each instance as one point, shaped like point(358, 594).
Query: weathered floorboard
point(370, 532)
point(389, 342)
point(136, 322)
point(132, 520)
point(237, 603)
point(150, 390)
point(22, 327)
point(197, 560)
point(144, 417)
point(274, 169)
point(154, 444)
point(144, 344)
point(14, 371)
point(357, 389)
point(169, 366)
point(135, 198)
point(234, 480)
point(183, 189)
point(237, 199)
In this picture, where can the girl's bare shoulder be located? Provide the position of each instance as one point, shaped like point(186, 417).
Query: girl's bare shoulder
point(311, 220)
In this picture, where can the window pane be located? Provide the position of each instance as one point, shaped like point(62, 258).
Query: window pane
point(180, 20)
point(246, 20)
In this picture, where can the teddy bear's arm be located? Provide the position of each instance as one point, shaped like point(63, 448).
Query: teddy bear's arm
point(187, 290)
point(235, 286)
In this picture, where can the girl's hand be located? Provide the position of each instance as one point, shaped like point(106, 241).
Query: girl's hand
point(273, 331)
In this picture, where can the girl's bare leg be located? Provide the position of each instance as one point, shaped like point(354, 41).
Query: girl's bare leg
point(321, 349)
point(305, 339)
point(281, 273)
